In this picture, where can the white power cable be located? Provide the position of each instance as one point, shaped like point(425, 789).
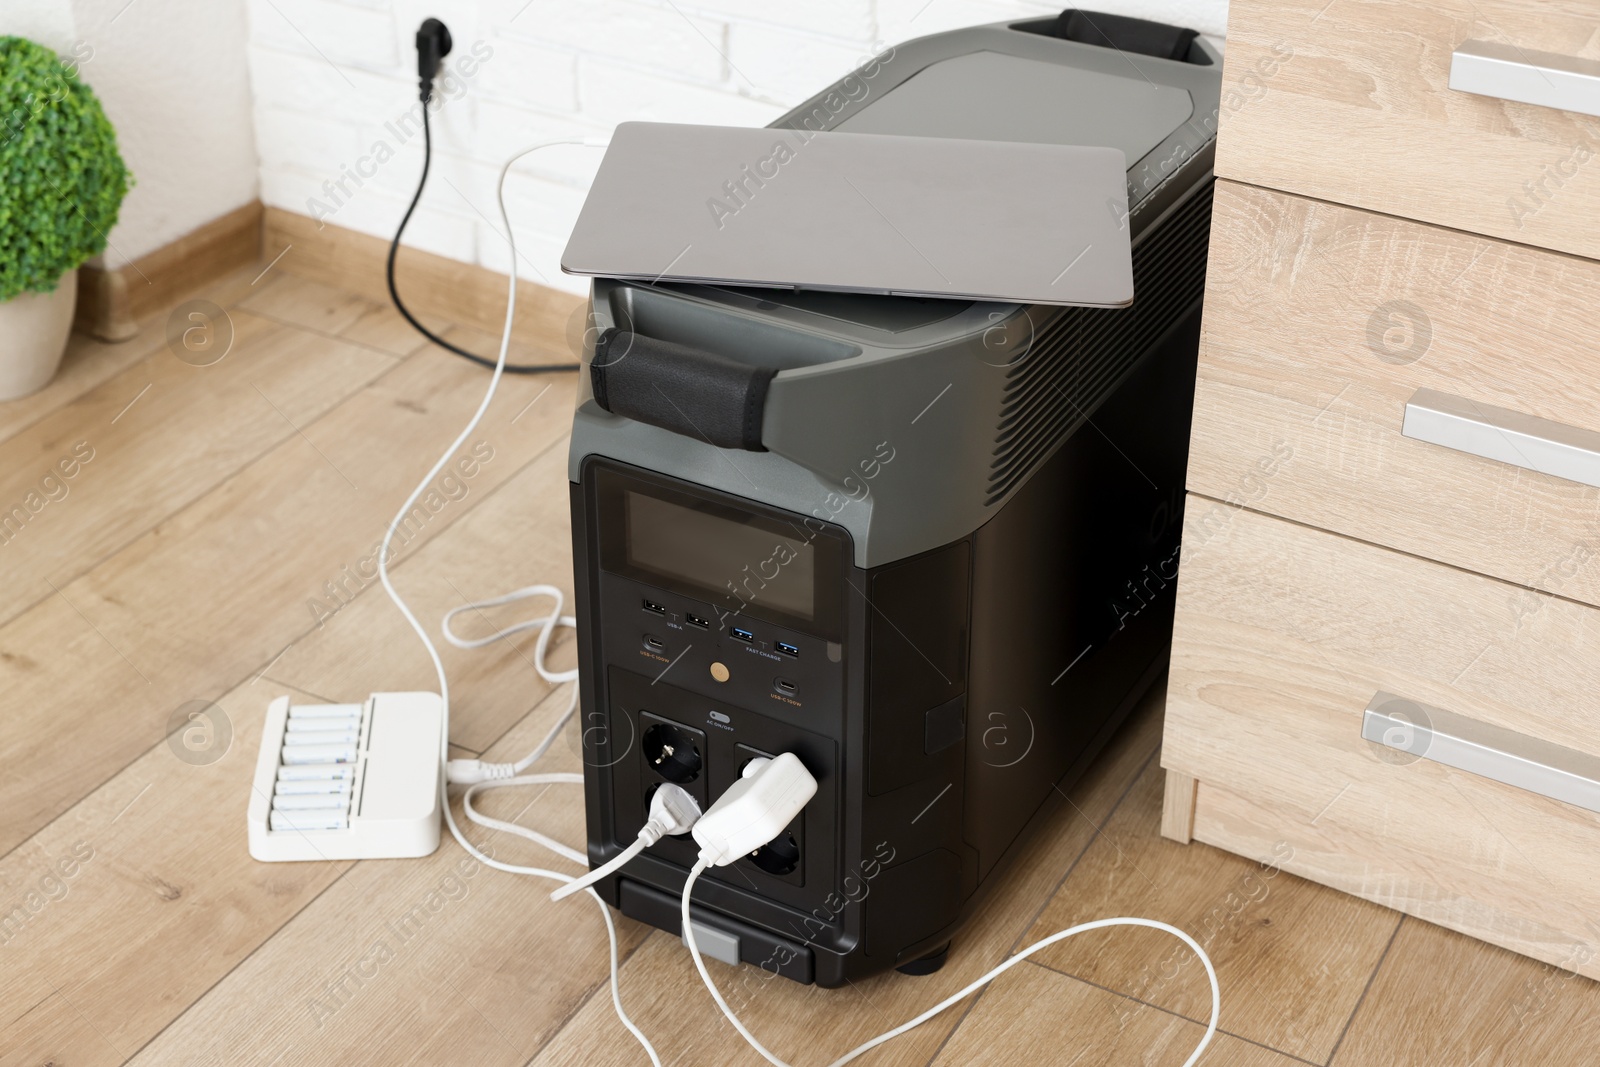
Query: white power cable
point(470, 771)
point(545, 626)
point(549, 624)
point(1098, 924)
point(535, 836)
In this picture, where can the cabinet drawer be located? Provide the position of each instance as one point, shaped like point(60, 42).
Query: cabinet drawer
point(1322, 322)
point(1350, 101)
point(1284, 634)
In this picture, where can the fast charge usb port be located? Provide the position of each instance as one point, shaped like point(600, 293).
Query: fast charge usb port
point(787, 649)
point(739, 634)
point(654, 608)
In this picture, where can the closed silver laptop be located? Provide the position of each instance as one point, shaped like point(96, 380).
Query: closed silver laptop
point(859, 212)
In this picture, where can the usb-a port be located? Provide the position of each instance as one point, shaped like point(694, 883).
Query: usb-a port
point(740, 635)
point(695, 620)
point(787, 649)
point(652, 606)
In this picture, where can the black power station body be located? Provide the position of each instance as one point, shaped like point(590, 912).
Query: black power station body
point(926, 545)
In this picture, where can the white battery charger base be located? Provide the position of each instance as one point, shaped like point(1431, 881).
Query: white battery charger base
point(348, 781)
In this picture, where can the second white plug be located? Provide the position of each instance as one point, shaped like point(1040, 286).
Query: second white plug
point(755, 809)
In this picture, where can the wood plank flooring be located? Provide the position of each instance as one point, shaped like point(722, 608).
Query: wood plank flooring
point(212, 550)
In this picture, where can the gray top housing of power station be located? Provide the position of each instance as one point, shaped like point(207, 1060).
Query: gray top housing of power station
point(910, 421)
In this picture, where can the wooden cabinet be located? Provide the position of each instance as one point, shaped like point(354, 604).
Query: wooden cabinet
point(1394, 475)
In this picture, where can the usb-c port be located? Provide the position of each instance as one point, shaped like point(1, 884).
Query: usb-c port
point(695, 620)
point(740, 635)
point(784, 686)
point(652, 606)
point(654, 644)
point(787, 649)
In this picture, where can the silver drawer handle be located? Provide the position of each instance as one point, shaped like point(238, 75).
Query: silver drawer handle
point(1529, 763)
point(1505, 435)
point(1548, 79)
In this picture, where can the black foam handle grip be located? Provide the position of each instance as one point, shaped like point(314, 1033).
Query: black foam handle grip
point(686, 390)
point(1125, 34)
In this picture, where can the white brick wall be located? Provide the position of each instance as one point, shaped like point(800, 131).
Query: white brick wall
point(333, 80)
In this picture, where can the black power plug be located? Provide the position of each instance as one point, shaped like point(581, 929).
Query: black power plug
point(433, 44)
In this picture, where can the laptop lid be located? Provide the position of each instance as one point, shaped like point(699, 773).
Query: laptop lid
point(859, 212)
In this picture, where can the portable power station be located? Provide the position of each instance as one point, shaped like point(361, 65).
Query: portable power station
point(926, 545)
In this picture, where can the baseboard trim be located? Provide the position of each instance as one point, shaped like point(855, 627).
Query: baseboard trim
point(110, 302)
point(432, 285)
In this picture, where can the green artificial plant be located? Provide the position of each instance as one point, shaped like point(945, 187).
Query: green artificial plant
point(61, 178)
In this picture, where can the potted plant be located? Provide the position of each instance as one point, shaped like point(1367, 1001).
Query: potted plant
point(61, 184)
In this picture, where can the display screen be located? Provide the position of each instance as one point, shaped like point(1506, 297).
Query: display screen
point(729, 560)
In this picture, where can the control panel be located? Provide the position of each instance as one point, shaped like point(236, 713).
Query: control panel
point(693, 697)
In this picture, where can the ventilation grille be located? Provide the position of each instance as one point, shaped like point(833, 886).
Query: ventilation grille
point(1080, 356)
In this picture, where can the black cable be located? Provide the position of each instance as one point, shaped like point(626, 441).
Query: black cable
point(394, 294)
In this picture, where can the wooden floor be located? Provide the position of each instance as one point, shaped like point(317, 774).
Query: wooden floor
point(210, 550)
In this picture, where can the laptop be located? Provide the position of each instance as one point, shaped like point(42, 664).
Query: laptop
point(858, 212)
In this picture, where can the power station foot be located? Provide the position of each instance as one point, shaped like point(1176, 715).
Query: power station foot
point(927, 964)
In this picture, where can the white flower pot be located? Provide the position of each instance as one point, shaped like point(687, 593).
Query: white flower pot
point(33, 336)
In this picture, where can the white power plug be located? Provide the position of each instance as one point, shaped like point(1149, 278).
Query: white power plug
point(673, 810)
point(755, 809)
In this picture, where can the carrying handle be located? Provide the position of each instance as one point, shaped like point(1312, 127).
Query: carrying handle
point(689, 391)
point(1547, 79)
point(1125, 34)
